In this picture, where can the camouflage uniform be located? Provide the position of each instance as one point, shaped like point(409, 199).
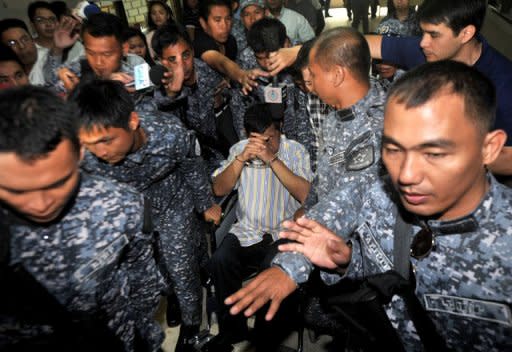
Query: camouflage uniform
point(351, 145)
point(53, 65)
point(390, 25)
point(464, 284)
point(195, 107)
point(96, 260)
point(238, 31)
point(296, 124)
point(167, 170)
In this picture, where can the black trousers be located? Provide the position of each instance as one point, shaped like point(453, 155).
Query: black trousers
point(360, 10)
point(229, 266)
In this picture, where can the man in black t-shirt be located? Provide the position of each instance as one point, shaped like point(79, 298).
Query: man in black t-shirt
point(218, 48)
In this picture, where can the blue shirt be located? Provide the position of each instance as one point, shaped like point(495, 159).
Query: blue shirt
point(407, 52)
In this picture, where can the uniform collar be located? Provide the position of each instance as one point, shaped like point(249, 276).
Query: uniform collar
point(375, 97)
point(471, 222)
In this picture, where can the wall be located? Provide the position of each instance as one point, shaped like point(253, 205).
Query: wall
point(498, 32)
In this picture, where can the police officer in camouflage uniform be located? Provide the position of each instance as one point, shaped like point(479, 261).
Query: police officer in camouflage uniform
point(161, 159)
point(193, 91)
point(437, 141)
point(250, 12)
point(79, 236)
point(102, 35)
point(351, 134)
point(295, 123)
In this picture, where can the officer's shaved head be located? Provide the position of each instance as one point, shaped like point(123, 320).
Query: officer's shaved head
point(344, 47)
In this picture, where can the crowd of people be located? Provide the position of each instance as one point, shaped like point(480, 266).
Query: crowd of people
point(361, 163)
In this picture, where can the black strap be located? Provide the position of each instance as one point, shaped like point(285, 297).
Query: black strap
point(401, 246)
point(425, 328)
point(147, 226)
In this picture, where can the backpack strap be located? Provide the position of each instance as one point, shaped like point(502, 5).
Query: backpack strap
point(425, 327)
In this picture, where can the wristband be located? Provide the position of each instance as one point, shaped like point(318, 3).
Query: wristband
point(240, 160)
point(272, 160)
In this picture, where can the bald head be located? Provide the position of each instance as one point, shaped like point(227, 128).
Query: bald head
point(345, 47)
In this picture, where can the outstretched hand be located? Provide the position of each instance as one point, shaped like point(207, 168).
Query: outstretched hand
point(249, 77)
point(65, 34)
point(319, 244)
point(272, 285)
point(283, 58)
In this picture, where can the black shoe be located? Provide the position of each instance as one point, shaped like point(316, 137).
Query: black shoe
point(173, 314)
point(186, 338)
point(327, 15)
point(217, 344)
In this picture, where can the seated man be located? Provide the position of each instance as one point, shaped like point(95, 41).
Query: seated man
point(265, 36)
point(157, 156)
point(11, 69)
point(102, 35)
point(82, 238)
point(437, 142)
point(271, 174)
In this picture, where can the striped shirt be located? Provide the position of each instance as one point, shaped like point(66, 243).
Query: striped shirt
point(263, 201)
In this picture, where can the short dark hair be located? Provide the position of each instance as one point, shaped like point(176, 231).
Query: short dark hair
point(258, 118)
point(103, 25)
point(346, 47)
point(131, 32)
point(33, 121)
point(169, 35)
point(9, 23)
point(102, 103)
point(7, 54)
point(206, 5)
point(426, 82)
point(151, 24)
point(302, 60)
point(31, 11)
point(456, 14)
point(60, 8)
point(266, 35)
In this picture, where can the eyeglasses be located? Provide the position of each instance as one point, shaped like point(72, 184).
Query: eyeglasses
point(16, 43)
point(422, 243)
point(43, 20)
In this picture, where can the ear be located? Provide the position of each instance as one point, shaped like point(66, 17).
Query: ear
point(339, 73)
point(203, 24)
point(125, 48)
point(492, 146)
point(82, 153)
point(134, 121)
point(467, 33)
point(287, 43)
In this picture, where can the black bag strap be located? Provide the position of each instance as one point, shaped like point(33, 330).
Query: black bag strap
point(401, 244)
point(425, 328)
point(147, 226)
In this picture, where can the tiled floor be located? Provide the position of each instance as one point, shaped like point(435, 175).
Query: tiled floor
point(339, 18)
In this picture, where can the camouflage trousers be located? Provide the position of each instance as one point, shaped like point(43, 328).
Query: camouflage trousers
point(182, 249)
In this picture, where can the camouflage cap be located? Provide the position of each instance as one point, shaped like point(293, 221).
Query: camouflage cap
point(245, 3)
